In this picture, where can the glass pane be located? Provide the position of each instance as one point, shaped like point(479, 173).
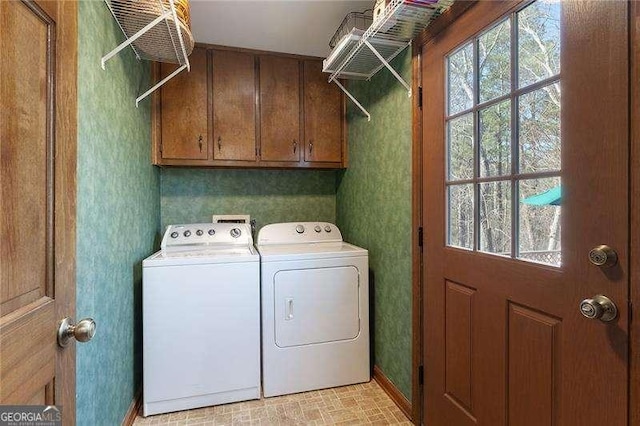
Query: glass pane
point(538, 42)
point(495, 217)
point(460, 218)
point(460, 71)
point(540, 219)
point(460, 147)
point(494, 51)
point(539, 136)
point(495, 140)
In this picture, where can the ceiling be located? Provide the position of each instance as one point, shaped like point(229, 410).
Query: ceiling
point(302, 27)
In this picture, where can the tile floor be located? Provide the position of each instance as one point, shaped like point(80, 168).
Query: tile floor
point(363, 404)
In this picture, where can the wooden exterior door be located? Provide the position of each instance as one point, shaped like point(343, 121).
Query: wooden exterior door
point(280, 109)
point(234, 106)
point(184, 110)
point(322, 116)
point(526, 169)
point(38, 41)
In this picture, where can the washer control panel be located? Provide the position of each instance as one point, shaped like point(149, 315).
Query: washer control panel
point(201, 235)
point(299, 233)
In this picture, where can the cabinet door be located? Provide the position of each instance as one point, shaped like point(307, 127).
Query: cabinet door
point(234, 106)
point(184, 110)
point(279, 109)
point(322, 116)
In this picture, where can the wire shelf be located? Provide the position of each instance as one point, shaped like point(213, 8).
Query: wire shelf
point(366, 64)
point(400, 22)
point(361, 54)
point(156, 30)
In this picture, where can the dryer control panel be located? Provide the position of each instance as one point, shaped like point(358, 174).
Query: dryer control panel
point(195, 235)
point(299, 233)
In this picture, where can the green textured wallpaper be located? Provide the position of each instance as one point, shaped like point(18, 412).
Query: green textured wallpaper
point(374, 211)
point(269, 196)
point(117, 216)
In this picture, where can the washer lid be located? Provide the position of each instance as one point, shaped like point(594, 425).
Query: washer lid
point(285, 252)
point(223, 254)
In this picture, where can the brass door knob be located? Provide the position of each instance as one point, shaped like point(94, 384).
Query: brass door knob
point(599, 307)
point(83, 331)
point(604, 256)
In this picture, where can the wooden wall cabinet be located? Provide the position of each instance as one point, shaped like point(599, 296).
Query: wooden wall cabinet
point(323, 116)
point(239, 108)
point(183, 117)
point(280, 110)
point(234, 106)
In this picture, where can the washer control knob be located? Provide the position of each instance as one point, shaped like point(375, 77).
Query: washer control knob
point(327, 228)
point(299, 229)
point(199, 232)
point(187, 233)
point(317, 228)
point(212, 232)
point(174, 234)
point(235, 232)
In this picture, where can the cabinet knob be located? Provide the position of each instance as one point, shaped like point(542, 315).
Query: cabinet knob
point(200, 142)
point(310, 147)
point(219, 143)
point(295, 146)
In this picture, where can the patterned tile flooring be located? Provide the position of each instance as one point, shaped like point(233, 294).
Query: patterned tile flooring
point(362, 404)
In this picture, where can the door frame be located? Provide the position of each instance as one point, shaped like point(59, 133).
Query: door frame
point(433, 30)
point(634, 226)
point(417, 368)
point(66, 95)
point(416, 236)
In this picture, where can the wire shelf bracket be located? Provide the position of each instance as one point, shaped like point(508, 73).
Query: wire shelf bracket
point(389, 67)
point(360, 55)
point(179, 48)
point(133, 38)
point(354, 100)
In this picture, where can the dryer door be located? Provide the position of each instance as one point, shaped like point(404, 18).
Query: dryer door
point(316, 305)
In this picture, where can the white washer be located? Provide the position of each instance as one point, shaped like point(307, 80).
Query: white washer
point(201, 318)
point(315, 308)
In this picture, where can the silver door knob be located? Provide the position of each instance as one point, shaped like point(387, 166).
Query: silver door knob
point(599, 307)
point(83, 331)
point(604, 256)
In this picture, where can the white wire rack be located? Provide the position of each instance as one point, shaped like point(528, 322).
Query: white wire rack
point(360, 55)
point(154, 32)
point(364, 65)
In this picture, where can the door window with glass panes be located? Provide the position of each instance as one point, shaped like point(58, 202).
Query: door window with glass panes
point(504, 189)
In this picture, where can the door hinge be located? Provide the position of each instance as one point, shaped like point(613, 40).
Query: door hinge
point(420, 97)
point(420, 237)
point(421, 375)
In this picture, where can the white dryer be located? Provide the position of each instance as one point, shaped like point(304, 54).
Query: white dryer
point(315, 308)
point(201, 318)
